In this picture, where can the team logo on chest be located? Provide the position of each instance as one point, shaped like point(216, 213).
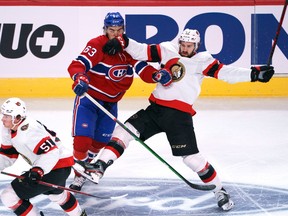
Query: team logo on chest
point(177, 69)
point(118, 72)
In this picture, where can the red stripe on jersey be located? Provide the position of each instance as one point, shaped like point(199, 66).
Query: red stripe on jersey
point(217, 72)
point(213, 69)
point(171, 62)
point(206, 71)
point(45, 145)
point(149, 53)
point(176, 104)
point(3, 146)
point(13, 134)
point(64, 162)
point(12, 156)
point(159, 51)
point(154, 52)
point(9, 151)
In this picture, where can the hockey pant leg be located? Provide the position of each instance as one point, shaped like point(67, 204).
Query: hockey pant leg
point(19, 206)
point(205, 170)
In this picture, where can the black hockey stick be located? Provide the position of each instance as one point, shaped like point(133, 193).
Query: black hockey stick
point(64, 188)
point(194, 186)
point(277, 33)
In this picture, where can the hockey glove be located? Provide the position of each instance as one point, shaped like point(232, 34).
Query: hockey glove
point(163, 76)
point(33, 176)
point(81, 84)
point(262, 73)
point(115, 45)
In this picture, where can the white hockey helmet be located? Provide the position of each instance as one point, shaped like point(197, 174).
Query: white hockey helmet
point(14, 107)
point(191, 35)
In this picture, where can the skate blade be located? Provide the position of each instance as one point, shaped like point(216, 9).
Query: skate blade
point(93, 177)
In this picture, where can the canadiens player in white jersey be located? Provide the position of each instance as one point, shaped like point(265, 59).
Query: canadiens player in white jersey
point(40, 148)
point(171, 107)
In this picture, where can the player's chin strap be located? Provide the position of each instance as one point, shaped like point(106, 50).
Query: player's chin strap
point(194, 186)
point(64, 188)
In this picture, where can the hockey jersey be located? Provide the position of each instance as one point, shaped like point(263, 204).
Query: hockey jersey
point(110, 76)
point(39, 146)
point(187, 73)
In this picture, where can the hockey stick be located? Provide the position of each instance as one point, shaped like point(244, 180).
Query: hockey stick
point(277, 34)
point(64, 188)
point(194, 186)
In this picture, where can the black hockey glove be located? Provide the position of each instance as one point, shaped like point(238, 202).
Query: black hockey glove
point(33, 176)
point(262, 73)
point(115, 45)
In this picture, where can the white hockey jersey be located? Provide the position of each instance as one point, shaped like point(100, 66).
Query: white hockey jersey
point(36, 144)
point(187, 73)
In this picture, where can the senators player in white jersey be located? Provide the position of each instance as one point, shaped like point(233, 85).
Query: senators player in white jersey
point(43, 151)
point(171, 106)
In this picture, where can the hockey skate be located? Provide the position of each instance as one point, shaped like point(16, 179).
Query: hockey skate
point(78, 182)
point(223, 200)
point(100, 167)
point(94, 171)
point(83, 213)
point(86, 170)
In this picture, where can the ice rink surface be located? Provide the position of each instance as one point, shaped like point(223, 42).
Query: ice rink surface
point(245, 139)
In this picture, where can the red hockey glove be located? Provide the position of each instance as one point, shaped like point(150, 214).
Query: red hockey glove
point(81, 84)
point(115, 45)
point(163, 76)
point(33, 176)
point(262, 73)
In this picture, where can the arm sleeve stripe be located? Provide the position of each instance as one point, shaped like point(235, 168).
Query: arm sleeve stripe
point(154, 54)
point(139, 66)
point(85, 61)
point(213, 69)
point(9, 151)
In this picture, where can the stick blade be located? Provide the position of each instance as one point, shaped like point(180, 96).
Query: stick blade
point(201, 187)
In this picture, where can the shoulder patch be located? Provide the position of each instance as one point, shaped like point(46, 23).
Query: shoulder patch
point(24, 127)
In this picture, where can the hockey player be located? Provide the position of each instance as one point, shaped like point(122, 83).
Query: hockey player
point(106, 78)
point(171, 107)
point(42, 149)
